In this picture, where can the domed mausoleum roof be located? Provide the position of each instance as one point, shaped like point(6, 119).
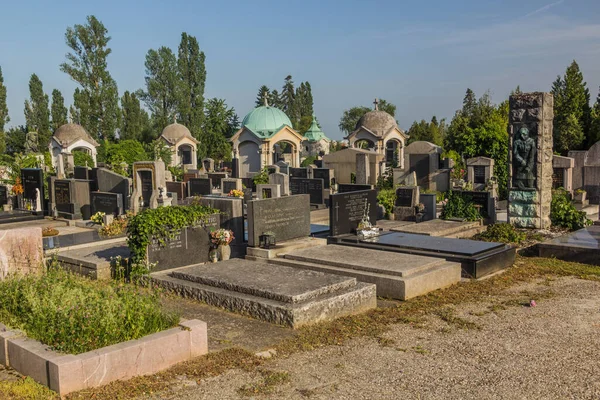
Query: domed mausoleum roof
point(377, 121)
point(265, 120)
point(314, 133)
point(172, 133)
point(69, 133)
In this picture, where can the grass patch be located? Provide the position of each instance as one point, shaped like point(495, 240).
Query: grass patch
point(25, 389)
point(74, 314)
point(270, 380)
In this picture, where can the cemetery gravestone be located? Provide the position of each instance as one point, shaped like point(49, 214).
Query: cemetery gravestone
point(199, 186)
point(325, 174)
point(249, 183)
point(406, 200)
point(429, 201)
point(21, 251)
point(229, 184)
point(32, 179)
point(109, 181)
point(268, 191)
point(352, 187)
point(347, 210)
point(209, 164)
point(284, 167)
point(189, 175)
point(283, 180)
point(3, 195)
point(148, 178)
point(106, 202)
point(286, 217)
point(81, 172)
point(62, 197)
point(177, 187)
point(231, 214)
point(247, 194)
point(216, 178)
point(363, 174)
point(312, 187)
point(299, 173)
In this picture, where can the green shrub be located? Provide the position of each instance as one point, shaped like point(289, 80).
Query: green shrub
point(160, 223)
point(177, 173)
point(456, 207)
point(82, 159)
point(387, 198)
point(308, 161)
point(502, 232)
point(564, 214)
point(74, 314)
point(262, 178)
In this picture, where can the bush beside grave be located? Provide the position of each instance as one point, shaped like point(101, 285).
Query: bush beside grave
point(455, 206)
point(563, 213)
point(503, 233)
point(387, 198)
point(74, 314)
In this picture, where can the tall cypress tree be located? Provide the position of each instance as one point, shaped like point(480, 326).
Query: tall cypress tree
point(58, 111)
point(288, 97)
point(135, 119)
point(4, 118)
point(37, 114)
point(192, 76)
point(97, 102)
point(217, 125)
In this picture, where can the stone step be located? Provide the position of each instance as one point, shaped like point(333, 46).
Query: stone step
point(466, 234)
point(440, 228)
point(273, 293)
point(391, 286)
point(252, 253)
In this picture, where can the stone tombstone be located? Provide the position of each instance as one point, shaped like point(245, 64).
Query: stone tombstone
point(530, 159)
point(299, 173)
point(179, 188)
point(216, 178)
point(429, 200)
point(189, 175)
point(70, 198)
point(247, 194)
point(106, 202)
point(483, 199)
point(249, 183)
point(363, 173)
point(81, 172)
point(148, 177)
point(235, 168)
point(407, 196)
point(21, 251)
point(3, 195)
point(229, 184)
point(109, 181)
point(271, 169)
point(208, 164)
point(284, 167)
point(281, 179)
point(268, 191)
point(32, 179)
point(190, 245)
point(62, 196)
point(231, 210)
point(479, 171)
point(312, 187)
point(591, 173)
point(562, 172)
point(352, 187)
point(347, 209)
point(286, 217)
point(323, 173)
point(199, 187)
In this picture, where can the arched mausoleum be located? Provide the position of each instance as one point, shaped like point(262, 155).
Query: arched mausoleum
point(378, 131)
point(66, 139)
point(266, 134)
point(315, 142)
point(183, 146)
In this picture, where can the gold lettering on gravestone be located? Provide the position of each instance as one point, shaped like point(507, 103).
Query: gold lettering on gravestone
point(278, 217)
point(355, 207)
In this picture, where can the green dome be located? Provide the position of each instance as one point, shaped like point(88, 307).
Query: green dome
point(265, 121)
point(314, 133)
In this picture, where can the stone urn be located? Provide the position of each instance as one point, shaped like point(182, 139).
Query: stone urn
point(224, 251)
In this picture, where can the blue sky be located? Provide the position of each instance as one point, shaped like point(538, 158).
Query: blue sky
point(421, 56)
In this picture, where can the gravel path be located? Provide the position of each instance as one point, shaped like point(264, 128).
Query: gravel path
point(551, 351)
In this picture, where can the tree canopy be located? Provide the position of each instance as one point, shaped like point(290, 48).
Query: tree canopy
point(351, 116)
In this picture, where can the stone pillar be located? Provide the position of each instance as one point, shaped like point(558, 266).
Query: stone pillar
point(530, 160)
point(363, 174)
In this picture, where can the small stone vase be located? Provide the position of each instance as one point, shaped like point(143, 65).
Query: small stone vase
point(225, 252)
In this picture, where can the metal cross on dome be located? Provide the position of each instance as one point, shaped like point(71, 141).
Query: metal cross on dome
point(376, 102)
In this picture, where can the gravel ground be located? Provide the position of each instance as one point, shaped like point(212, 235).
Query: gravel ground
point(551, 351)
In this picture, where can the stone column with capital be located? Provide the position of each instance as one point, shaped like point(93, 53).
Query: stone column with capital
point(530, 160)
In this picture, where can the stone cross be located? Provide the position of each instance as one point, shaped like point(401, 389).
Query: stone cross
point(376, 102)
point(266, 99)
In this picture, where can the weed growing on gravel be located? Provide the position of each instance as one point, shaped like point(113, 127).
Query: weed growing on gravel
point(270, 380)
point(25, 389)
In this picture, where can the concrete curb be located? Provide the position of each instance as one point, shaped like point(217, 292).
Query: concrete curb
point(66, 373)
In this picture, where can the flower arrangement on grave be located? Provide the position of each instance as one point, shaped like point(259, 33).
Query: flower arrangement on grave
point(235, 193)
point(98, 218)
point(49, 231)
point(457, 174)
point(17, 188)
point(221, 237)
point(365, 228)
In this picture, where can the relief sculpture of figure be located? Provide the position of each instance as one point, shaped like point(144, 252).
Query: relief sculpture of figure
point(524, 150)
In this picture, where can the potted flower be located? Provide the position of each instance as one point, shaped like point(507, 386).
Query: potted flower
point(222, 238)
point(236, 193)
point(579, 196)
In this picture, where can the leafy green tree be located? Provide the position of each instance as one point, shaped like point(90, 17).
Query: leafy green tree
point(162, 84)
point(81, 158)
point(288, 97)
point(572, 114)
point(37, 114)
point(233, 125)
point(275, 99)
point(15, 139)
point(58, 111)
point(135, 119)
point(216, 126)
point(260, 97)
point(96, 104)
point(350, 117)
point(192, 77)
point(594, 134)
point(4, 118)
point(128, 151)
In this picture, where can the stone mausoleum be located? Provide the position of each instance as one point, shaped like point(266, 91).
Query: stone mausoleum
point(381, 134)
point(183, 146)
point(315, 142)
point(66, 139)
point(265, 137)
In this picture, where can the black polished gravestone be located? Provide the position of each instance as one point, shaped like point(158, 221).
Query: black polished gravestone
point(352, 187)
point(216, 178)
point(312, 187)
point(108, 203)
point(481, 199)
point(298, 172)
point(249, 183)
point(62, 197)
point(323, 173)
point(147, 184)
point(346, 210)
point(3, 195)
point(187, 246)
point(406, 197)
point(32, 178)
point(81, 172)
point(199, 187)
point(228, 186)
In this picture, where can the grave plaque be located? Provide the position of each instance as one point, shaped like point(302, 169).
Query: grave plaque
point(479, 174)
point(312, 187)
point(177, 187)
point(186, 246)
point(298, 172)
point(347, 209)
point(227, 185)
point(199, 186)
point(558, 177)
point(352, 187)
point(287, 217)
point(81, 172)
point(267, 193)
point(406, 197)
point(323, 173)
point(3, 195)
point(147, 188)
point(62, 197)
point(32, 178)
point(108, 203)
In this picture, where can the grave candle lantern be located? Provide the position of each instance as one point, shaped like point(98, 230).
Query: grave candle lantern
point(266, 240)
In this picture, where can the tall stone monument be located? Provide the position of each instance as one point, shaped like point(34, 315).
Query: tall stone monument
point(530, 160)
